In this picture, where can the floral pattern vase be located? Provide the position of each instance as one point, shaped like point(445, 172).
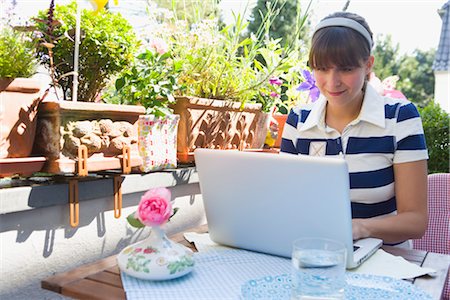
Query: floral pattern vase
point(156, 258)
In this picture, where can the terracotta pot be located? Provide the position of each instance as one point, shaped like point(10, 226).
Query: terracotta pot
point(262, 126)
point(103, 128)
point(24, 166)
point(218, 124)
point(281, 119)
point(19, 99)
point(267, 150)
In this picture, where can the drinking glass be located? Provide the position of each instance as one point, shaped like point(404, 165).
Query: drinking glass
point(318, 269)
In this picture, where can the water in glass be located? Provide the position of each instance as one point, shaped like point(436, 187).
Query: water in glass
point(318, 271)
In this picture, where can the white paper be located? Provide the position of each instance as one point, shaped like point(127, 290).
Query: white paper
point(384, 264)
point(202, 241)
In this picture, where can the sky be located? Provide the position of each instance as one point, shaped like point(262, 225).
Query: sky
point(413, 24)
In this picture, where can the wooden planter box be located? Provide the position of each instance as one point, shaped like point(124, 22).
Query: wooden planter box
point(218, 124)
point(103, 128)
point(19, 99)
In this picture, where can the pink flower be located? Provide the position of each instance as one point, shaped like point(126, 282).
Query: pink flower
point(387, 86)
point(274, 94)
point(275, 81)
point(159, 45)
point(155, 207)
point(149, 250)
point(394, 94)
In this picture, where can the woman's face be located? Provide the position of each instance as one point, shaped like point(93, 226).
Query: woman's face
point(343, 85)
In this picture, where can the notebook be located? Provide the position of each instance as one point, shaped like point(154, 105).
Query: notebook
point(263, 202)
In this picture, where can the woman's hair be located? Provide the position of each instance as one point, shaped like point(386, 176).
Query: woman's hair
point(340, 45)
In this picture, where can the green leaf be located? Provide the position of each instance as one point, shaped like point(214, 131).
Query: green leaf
point(147, 55)
point(134, 222)
point(164, 56)
point(120, 82)
point(175, 210)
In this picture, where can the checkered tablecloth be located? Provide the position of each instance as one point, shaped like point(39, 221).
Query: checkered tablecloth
point(218, 274)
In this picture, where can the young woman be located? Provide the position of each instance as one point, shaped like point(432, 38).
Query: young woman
point(381, 138)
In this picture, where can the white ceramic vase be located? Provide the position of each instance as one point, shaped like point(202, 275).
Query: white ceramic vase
point(156, 258)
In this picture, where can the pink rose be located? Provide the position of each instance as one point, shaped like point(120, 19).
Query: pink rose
point(155, 207)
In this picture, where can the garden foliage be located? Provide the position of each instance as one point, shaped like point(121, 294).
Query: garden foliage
point(414, 70)
point(436, 128)
point(16, 54)
point(108, 44)
point(222, 62)
point(151, 82)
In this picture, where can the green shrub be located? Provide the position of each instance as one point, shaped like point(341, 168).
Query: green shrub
point(108, 44)
point(16, 54)
point(436, 127)
point(150, 82)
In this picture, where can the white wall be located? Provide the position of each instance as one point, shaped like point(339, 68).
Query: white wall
point(38, 243)
point(442, 89)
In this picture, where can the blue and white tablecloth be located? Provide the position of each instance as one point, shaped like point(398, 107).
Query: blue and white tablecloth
point(226, 273)
point(218, 274)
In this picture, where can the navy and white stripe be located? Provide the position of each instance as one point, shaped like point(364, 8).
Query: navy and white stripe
point(387, 131)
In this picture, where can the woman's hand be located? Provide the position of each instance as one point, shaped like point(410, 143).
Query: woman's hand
point(359, 230)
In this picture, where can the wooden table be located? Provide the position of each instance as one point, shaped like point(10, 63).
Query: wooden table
point(101, 279)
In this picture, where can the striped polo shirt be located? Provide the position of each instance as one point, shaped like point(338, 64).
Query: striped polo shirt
point(387, 131)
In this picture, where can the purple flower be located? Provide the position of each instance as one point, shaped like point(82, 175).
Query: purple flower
point(309, 85)
point(275, 81)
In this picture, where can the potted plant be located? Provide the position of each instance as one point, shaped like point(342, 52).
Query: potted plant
point(298, 86)
point(276, 93)
point(150, 82)
point(221, 73)
point(107, 131)
point(19, 99)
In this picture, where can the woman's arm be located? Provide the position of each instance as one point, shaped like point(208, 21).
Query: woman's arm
point(412, 212)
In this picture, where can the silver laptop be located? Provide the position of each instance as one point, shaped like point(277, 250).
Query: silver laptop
point(263, 202)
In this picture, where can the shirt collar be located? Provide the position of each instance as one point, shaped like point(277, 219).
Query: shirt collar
point(372, 111)
point(316, 116)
